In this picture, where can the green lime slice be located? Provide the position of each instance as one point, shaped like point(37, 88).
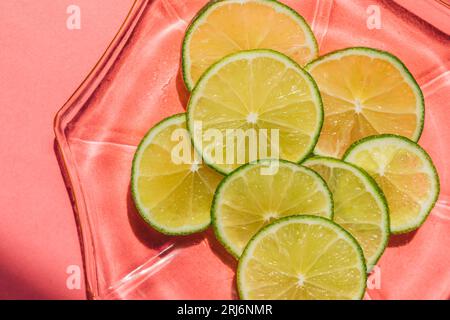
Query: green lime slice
point(258, 193)
point(225, 27)
point(405, 173)
point(365, 92)
point(262, 97)
point(302, 258)
point(174, 197)
point(359, 204)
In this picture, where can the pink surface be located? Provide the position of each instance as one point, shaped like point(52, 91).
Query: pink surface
point(41, 65)
point(99, 128)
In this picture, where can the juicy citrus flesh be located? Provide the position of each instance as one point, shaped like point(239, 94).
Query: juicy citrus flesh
point(250, 199)
point(365, 92)
point(231, 26)
point(406, 175)
point(359, 205)
point(171, 195)
point(302, 258)
point(255, 90)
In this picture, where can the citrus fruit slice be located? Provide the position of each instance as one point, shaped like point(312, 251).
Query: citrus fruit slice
point(365, 92)
point(225, 27)
point(172, 193)
point(262, 97)
point(359, 204)
point(258, 193)
point(405, 173)
point(302, 258)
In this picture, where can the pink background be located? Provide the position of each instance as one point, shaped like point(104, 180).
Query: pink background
point(41, 64)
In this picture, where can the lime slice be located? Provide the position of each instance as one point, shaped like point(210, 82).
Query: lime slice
point(302, 258)
point(359, 204)
point(405, 173)
point(259, 92)
point(225, 27)
point(365, 92)
point(172, 195)
point(257, 194)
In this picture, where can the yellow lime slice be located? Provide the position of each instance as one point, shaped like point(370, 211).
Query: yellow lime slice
point(225, 27)
point(172, 193)
point(302, 258)
point(257, 194)
point(365, 92)
point(262, 96)
point(405, 173)
point(359, 204)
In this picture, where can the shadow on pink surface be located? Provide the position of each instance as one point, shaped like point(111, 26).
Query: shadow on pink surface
point(401, 239)
point(18, 286)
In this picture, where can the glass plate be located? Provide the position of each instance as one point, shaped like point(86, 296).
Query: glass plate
point(137, 82)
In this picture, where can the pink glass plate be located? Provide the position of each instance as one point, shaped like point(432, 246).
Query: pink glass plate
point(137, 83)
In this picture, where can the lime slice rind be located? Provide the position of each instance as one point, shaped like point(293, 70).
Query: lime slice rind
point(428, 167)
point(252, 54)
point(212, 5)
point(401, 67)
point(247, 254)
point(374, 190)
point(215, 221)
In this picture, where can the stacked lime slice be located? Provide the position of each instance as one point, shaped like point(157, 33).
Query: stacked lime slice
point(245, 200)
point(254, 92)
point(172, 196)
point(323, 263)
point(365, 92)
point(226, 27)
point(359, 204)
point(405, 173)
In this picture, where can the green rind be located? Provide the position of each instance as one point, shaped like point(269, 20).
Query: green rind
point(353, 147)
point(298, 218)
point(192, 26)
point(377, 190)
point(221, 185)
point(134, 191)
point(303, 72)
point(395, 60)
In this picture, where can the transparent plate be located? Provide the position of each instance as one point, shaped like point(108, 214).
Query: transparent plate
point(137, 82)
